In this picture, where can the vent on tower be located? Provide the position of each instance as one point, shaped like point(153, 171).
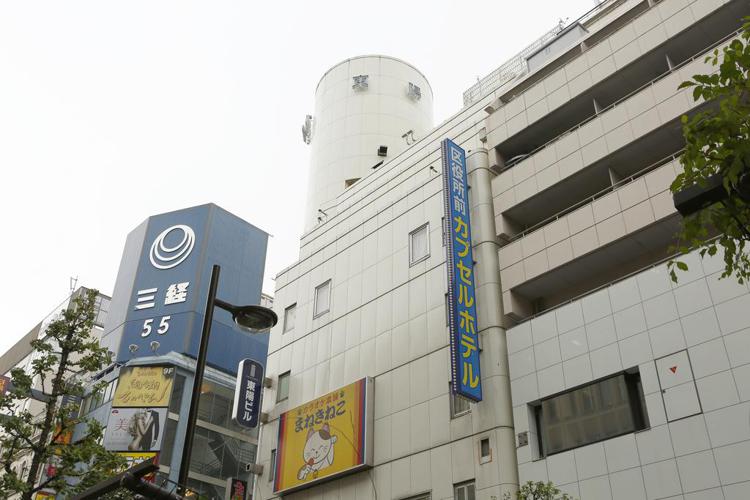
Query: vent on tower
point(414, 92)
point(360, 82)
point(383, 151)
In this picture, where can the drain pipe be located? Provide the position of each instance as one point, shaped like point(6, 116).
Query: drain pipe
point(494, 361)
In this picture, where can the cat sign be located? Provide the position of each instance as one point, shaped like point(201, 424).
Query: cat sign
point(325, 438)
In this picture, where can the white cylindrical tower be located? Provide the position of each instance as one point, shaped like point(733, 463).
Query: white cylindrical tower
point(367, 109)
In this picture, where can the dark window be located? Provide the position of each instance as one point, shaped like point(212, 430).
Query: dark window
point(176, 398)
point(594, 412)
point(484, 447)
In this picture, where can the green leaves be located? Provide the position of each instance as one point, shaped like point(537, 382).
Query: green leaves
point(40, 432)
point(539, 491)
point(718, 141)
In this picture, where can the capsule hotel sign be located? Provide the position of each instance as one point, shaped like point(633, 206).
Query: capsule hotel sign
point(462, 311)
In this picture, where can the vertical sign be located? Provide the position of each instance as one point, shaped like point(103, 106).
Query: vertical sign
point(247, 392)
point(462, 312)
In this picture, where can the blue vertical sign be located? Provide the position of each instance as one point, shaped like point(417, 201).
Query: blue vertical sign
point(462, 311)
point(247, 393)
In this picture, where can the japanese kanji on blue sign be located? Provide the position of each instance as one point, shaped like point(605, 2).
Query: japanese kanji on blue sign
point(247, 393)
point(462, 311)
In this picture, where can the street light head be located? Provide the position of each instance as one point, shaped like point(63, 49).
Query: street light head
point(254, 318)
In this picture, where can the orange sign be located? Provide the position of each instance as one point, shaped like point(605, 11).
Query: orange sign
point(327, 437)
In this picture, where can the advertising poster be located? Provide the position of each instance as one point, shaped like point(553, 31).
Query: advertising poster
point(135, 429)
point(236, 489)
point(324, 438)
point(144, 387)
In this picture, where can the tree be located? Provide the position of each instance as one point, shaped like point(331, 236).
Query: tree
point(539, 491)
point(64, 357)
point(718, 143)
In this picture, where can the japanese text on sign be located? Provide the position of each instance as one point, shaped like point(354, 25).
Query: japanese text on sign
point(462, 312)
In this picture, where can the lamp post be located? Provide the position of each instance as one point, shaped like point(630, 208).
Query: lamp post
point(250, 318)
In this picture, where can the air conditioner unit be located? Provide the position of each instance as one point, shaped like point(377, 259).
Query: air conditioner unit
point(256, 469)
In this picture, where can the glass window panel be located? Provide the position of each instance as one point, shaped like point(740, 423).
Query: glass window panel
point(419, 244)
point(459, 405)
point(592, 413)
point(282, 392)
point(289, 316)
point(322, 298)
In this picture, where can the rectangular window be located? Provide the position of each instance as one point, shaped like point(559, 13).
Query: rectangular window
point(289, 314)
point(322, 299)
point(282, 389)
point(591, 413)
point(419, 244)
point(423, 496)
point(459, 405)
point(272, 466)
point(464, 491)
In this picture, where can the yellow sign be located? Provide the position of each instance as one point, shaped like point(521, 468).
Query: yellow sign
point(134, 458)
point(44, 495)
point(144, 386)
point(329, 436)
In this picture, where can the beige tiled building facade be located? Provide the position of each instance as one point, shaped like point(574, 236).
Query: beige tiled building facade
point(598, 372)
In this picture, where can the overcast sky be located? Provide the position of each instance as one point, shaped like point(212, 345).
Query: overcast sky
point(114, 111)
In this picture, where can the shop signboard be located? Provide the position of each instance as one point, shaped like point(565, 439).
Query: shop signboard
point(247, 393)
point(144, 387)
point(325, 438)
point(462, 311)
point(135, 429)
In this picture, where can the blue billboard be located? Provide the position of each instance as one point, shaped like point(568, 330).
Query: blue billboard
point(162, 286)
point(462, 311)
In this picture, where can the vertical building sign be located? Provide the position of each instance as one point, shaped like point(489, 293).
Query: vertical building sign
point(247, 393)
point(462, 312)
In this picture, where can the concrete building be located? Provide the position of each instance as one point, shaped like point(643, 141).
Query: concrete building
point(155, 321)
point(598, 373)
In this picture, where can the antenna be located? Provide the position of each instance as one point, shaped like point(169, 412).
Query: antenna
point(73, 282)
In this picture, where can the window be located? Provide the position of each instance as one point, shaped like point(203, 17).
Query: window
point(419, 244)
point(272, 466)
point(289, 315)
point(485, 452)
point(360, 82)
point(422, 496)
point(282, 389)
point(322, 299)
point(594, 412)
point(459, 405)
point(464, 491)
point(350, 182)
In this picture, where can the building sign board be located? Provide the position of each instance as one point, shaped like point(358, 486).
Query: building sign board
point(247, 393)
point(462, 312)
point(135, 429)
point(144, 386)
point(325, 438)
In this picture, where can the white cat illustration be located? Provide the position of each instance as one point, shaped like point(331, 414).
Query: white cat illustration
point(318, 452)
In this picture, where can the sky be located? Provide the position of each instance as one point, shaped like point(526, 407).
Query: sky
point(114, 111)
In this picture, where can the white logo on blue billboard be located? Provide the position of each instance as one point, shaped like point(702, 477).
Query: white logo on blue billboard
point(167, 257)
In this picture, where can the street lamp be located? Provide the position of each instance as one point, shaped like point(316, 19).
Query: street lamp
point(250, 318)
